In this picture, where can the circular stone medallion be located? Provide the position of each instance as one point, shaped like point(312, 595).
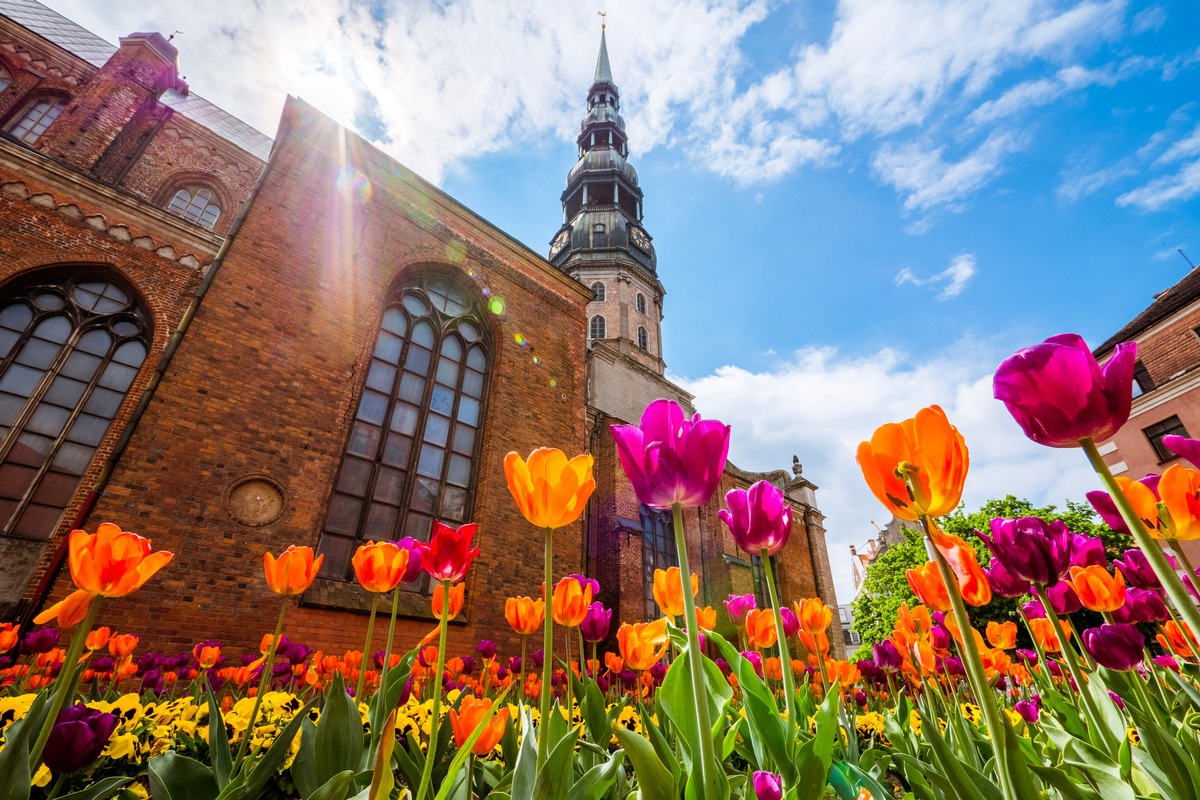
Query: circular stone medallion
point(255, 500)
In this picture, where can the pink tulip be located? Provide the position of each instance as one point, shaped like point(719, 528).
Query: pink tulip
point(671, 459)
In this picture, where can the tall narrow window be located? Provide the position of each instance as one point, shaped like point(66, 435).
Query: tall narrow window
point(598, 291)
point(196, 203)
point(1142, 382)
point(411, 453)
point(597, 328)
point(641, 303)
point(643, 338)
point(658, 552)
point(71, 350)
point(33, 123)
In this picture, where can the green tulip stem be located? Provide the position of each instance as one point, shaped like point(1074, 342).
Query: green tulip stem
point(387, 650)
point(1154, 554)
point(547, 654)
point(435, 719)
point(708, 757)
point(1089, 704)
point(64, 690)
point(785, 659)
point(362, 670)
point(1037, 644)
point(264, 681)
point(524, 641)
point(58, 782)
point(1183, 559)
point(985, 696)
point(568, 676)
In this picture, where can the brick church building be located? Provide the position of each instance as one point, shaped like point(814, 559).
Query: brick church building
point(230, 344)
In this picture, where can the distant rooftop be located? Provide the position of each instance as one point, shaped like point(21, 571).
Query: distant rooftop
point(80, 42)
point(1165, 304)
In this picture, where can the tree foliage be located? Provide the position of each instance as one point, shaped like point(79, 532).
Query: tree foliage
point(886, 587)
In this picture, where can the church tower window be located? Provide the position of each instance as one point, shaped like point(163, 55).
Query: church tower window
point(414, 444)
point(5, 78)
point(71, 350)
point(37, 118)
point(197, 204)
point(641, 303)
point(658, 552)
point(643, 339)
point(597, 328)
point(598, 291)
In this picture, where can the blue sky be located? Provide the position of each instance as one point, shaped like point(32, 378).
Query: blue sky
point(859, 207)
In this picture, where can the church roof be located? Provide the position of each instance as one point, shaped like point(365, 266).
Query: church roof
point(82, 43)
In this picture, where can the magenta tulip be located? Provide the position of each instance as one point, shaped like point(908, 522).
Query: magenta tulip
point(595, 625)
point(791, 623)
point(1060, 395)
point(413, 570)
point(78, 737)
point(1004, 583)
point(585, 582)
point(671, 459)
point(1087, 551)
point(768, 786)
point(1118, 647)
point(1187, 449)
point(738, 606)
point(1063, 598)
point(760, 518)
point(1137, 570)
point(1030, 548)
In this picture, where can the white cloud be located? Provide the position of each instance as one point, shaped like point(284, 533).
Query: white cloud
point(1149, 19)
point(955, 277)
point(929, 181)
point(821, 403)
point(1183, 183)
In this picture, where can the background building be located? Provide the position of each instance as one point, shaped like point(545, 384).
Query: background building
point(1166, 384)
point(231, 345)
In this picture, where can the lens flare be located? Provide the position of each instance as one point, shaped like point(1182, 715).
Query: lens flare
point(496, 305)
point(354, 185)
point(456, 251)
point(520, 339)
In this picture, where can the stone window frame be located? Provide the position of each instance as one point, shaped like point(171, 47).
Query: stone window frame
point(191, 210)
point(342, 592)
point(643, 338)
point(57, 103)
point(1155, 433)
point(6, 77)
point(597, 327)
point(598, 291)
point(71, 406)
point(192, 180)
point(640, 303)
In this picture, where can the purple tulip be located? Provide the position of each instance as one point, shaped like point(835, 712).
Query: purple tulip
point(406, 692)
point(469, 665)
point(768, 786)
point(1187, 449)
point(952, 666)
point(152, 681)
point(658, 672)
point(873, 671)
point(738, 606)
point(887, 656)
point(1141, 605)
point(760, 518)
point(1030, 656)
point(1033, 609)
point(1059, 395)
point(585, 582)
point(670, 459)
point(1028, 710)
point(41, 640)
point(1116, 698)
point(755, 661)
point(1118, 647)
point(791, 623)
point(413, 570)
point(1167, 662)
point(940, 638)
point(514, 663)
point(1030, 548)
point(537, 658)
point(78, 738)
point(486, 649)
point(1004, 583)
point(596, 624)
point(1137, 570)
point(1107, 508)
point(1087, 551)
point(1063, 598)
point(860, 697)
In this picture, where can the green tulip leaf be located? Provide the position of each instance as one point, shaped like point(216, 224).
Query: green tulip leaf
point(100, 790)
point(15, 775)
point(525, 768)
point(336, 788)
point(596, 782)
point(654, 780)
point(338, 742)
point(219, 754)
point(555, 774)
point(176, 777)
point(304, 771)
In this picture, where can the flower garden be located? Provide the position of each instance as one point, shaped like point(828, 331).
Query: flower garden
point(943, 710)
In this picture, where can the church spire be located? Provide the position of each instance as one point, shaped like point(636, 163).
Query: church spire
point(603, 70)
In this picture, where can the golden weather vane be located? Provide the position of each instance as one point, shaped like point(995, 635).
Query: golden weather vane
point(603, 21)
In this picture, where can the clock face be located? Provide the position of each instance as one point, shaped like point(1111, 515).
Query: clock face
point(560, 242)
point(640, 238)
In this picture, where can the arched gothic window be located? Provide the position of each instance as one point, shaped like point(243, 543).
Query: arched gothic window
point(598, 291)
point(37, 117)
point(597, 328)
point(641, 303)
point(69, 351)
point(411, 454)
point(643, 338)
point(196, 203)
point(658, 552)
point(5, 78)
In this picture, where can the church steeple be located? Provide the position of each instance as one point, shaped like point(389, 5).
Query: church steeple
point(602, 242)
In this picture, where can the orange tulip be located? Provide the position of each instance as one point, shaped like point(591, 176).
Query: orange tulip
point(1144, 503)
point(813, 614)
point(668, 591)
point(457, 593)
point(473, 713)
point(380, 566)
point(293, 572)
point(1002, 635)
point(972, 581)
point(9, 636)
point(1179, 514)
point(760, 628)
point(550, 490)
point(927, 584)
point(913, 624)
point(122, 645)
point(843, 673)
point(525, 614)
point(614, 663)
point(951, 624)
point(995, 663)
point(97, 639)
point(818, 643)
point(643, 644)
point(706, 618)
point(917, 467)
point(1044, 631)
point(570, 601)
point(1098, 590)
point(109, 563)
point(1172, 638)
point(208, 655)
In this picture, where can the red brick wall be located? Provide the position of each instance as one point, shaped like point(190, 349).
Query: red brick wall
point(269, 375)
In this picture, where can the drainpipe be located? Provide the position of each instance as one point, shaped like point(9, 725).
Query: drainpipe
point(47, 580)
